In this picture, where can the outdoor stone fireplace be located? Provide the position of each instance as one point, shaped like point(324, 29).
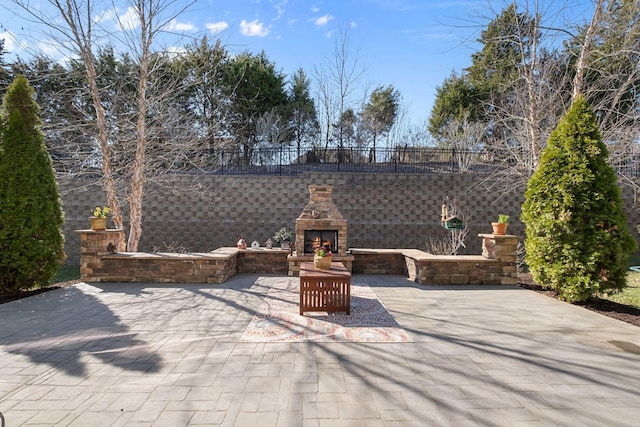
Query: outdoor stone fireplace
point(321, 218)
point(320, 223)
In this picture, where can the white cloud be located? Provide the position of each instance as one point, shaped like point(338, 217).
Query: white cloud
point(50, 48)
point(9, 41)
point(176, 50)
point(323, 20)
point(174, 25)
point(280, 7)
point(105, 16)
point(217, 27)
point(253, 29)
point(129, 20)
point(315, 9)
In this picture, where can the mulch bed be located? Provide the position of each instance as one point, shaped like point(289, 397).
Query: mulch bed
point(13, 296)
point(624, 313)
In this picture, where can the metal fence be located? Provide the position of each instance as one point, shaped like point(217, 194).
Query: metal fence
point(290, 161)
point(419, 160)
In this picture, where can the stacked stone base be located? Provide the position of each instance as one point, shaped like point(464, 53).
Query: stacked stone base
point(103, 261)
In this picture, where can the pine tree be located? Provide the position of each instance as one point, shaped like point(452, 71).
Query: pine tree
point(31, 219)
point(577, 238)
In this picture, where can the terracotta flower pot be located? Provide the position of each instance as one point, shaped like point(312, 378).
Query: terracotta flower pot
point(500, 228)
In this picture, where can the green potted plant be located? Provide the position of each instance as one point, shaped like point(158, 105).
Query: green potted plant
point(500, 227)
point(283, 236)
point(322, 258)
point(99, 217)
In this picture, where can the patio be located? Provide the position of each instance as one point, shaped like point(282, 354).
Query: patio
point(138, 354)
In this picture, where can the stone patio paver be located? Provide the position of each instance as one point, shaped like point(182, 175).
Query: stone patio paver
point(155, 355)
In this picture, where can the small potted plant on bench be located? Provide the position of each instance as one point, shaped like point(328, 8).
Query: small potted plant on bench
point(500, 227)
point(283, 236)
point(99, 217)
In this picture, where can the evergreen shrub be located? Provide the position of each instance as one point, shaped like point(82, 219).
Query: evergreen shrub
point(31, 219)
point(577, 237)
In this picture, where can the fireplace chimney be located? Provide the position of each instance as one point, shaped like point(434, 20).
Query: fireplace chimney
point(320, 214)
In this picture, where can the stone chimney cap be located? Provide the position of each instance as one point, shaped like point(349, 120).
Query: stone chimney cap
point(320, 204)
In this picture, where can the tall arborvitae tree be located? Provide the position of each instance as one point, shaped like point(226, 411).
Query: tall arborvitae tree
point(456, 100)
point(496, 71)
point(304, 118)
point(4, 72)
point(380, 113)
point(31, 239)
point(577, 238)
point(255, 88)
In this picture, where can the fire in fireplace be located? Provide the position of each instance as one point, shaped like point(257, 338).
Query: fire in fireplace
point(313, 239)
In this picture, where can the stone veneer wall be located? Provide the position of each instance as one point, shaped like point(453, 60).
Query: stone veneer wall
point(382, 210)
point(99, 263)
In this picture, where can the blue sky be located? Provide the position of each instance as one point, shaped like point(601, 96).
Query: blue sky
point(410, 44)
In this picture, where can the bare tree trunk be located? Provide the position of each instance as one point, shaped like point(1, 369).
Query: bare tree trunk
point(103, 139)
point(532, 111)
point(137, 176)
point(78, 18)
point(337, 83)
point(71, 26)
point(578, 80)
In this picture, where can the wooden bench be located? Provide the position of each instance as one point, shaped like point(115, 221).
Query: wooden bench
point(325, 290)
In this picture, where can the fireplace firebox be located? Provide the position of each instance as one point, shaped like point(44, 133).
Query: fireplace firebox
point(313, 239)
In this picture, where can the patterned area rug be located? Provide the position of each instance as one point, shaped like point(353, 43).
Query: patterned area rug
point(279, 319)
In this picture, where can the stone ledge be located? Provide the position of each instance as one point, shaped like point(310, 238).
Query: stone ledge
point(498, 236)
point(368, 251)
point(187, 256)
point(419, 255)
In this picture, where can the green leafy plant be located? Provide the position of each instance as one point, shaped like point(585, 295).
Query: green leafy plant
point(503, 219)
point(282, 235)
point(101, 212)
point(323, 251)
point(577, 239)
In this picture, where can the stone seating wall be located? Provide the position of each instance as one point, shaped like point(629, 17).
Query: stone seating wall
point(102, 261)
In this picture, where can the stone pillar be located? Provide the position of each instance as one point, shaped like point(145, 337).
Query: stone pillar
point(504, 249)
point(94, 244)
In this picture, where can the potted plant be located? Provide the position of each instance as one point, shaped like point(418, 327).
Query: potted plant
point(99, 217)
point(500, 227)
point(322, 258)
point(283, 236)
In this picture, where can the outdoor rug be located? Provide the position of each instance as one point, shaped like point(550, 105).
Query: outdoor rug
point(279, 320)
